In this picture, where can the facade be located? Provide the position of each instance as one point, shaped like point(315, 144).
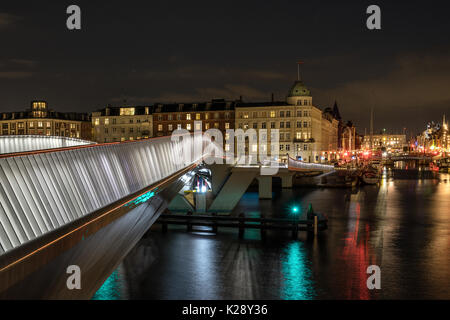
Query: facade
point(126, 123)
point(217, 114)
point(348, 137)
point(306, 133)
point(385, 141)
point(40, 120)
point(435, 138)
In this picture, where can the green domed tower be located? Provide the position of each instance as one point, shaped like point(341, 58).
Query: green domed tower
point(299, 94)
point(299, 90)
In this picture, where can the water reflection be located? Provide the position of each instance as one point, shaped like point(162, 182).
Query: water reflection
point(401, 226)
point(297, 277)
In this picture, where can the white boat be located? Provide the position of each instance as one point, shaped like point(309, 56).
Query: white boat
point(370, 178)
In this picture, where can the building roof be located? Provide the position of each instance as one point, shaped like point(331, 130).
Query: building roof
point(70, 116)
point(336, 113)
point(299, 90)
point(115, 111)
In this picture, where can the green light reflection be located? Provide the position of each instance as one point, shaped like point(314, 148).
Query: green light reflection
point(297, 276)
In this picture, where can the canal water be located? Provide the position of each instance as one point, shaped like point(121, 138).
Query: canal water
point(402, 226)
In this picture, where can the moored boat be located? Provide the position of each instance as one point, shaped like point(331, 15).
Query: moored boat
point(370, 177)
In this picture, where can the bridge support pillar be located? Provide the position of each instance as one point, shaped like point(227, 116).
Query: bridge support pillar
point(265, 187)
point(286, 181)
point(200, 202)
point(219, 175)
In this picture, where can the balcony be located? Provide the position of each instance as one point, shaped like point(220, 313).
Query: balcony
point(311, 140)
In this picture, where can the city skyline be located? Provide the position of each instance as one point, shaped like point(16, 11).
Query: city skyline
point(148, 54)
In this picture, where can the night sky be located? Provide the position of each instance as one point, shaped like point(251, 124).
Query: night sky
point(146, 52)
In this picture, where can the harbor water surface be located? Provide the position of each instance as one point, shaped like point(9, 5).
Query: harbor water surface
point(402, 226)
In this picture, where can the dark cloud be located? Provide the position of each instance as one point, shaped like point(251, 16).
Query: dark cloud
point(7, 20)
point(418, 85)
point(12, 75)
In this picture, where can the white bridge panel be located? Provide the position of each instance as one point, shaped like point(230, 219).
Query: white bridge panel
point(15, 144)
point(43, 191)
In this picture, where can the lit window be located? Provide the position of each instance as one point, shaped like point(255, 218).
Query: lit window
point(160, 127)
point(197, 116)
point(170, 127)
point(198, 126)
point(106, 121)
point(188, 117)
point(188, 126)
point(254, 148)
point(273, 114)
point(227, 125)
point(127, 111)
point(97, 121)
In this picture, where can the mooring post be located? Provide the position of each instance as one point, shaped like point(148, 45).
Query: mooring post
point(295, 229)
point(263, 227)
point(189, 221)
point(241, 225)
point(164, 227)
point(215, 228)
point(315, 225)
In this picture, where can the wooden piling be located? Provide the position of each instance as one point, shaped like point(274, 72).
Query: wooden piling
point(189, 223)
point(315, 225)
point(294, 230)
point(263, 227)
point(241, 225)
point(215, 228)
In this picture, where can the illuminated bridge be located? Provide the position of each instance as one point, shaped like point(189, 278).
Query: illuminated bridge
point(84, 205)
point(89, 204)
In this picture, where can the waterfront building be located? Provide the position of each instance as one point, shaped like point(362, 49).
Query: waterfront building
point(125, 123)
point(306, 132)
point(40, 120)
point(435, 138)
point(348, 137)
point(216, 114)
point(385, 141)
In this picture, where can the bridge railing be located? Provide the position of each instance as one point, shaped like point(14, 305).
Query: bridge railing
point(14, 144)
point(300, 165)
point(42, 191)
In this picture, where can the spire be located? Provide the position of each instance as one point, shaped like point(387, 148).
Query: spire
point(336, 113)
point(299, 78)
